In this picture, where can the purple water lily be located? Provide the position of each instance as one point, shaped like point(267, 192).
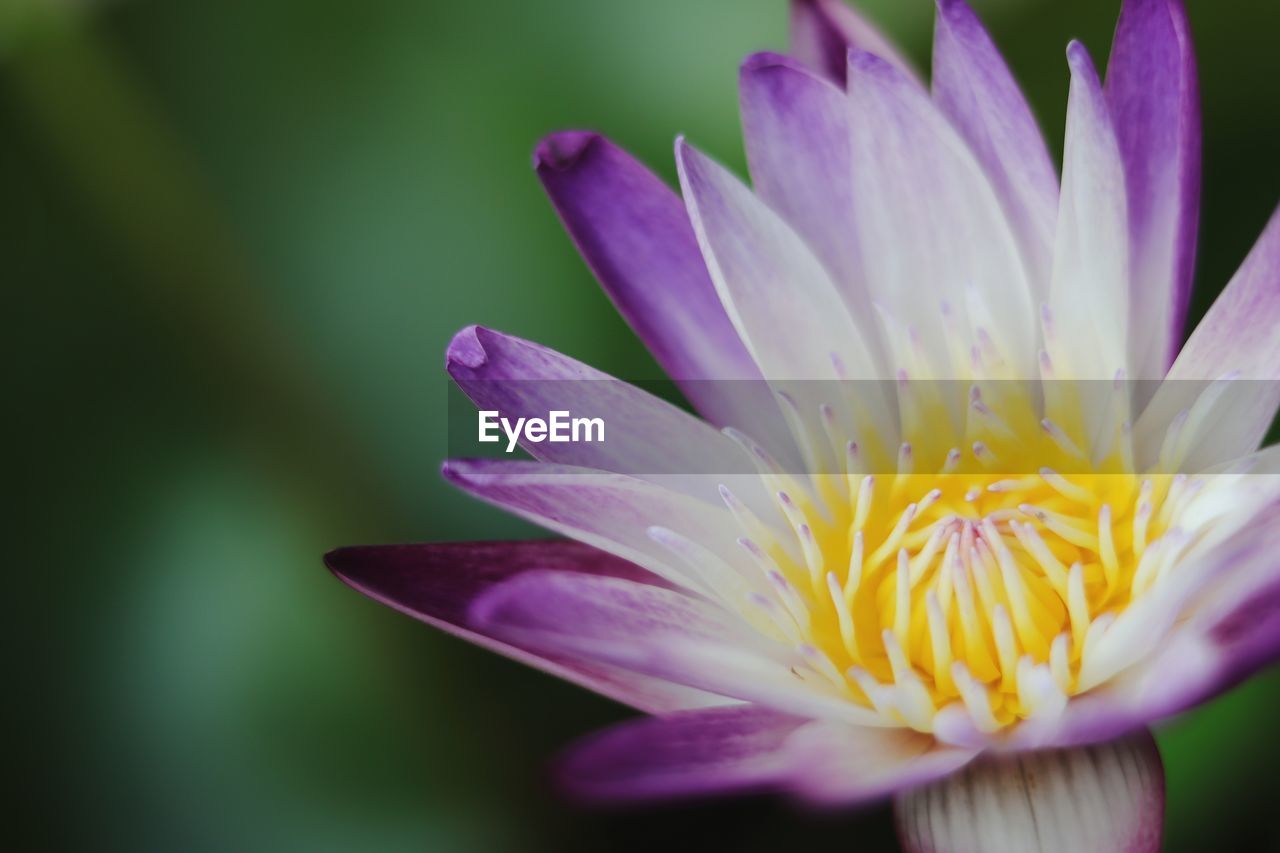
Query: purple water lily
point(967, 593)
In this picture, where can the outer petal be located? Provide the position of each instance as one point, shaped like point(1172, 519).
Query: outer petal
point(939, 234)
point(822, 31)
point(1238, 337)
point(1155, 101)
point(796, 128)
point(973, 87)
point(634, 234)
point(609, 511)
point(662, 633)
point(437, 583)
point(1088, 297)
point(778, 295)
point(1107, 798)
point(568, 608)
point(838, 764)
point(715, 751)
point(645, 437)
point(720, 750)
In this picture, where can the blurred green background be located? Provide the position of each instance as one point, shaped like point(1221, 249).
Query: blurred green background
point(237, 237)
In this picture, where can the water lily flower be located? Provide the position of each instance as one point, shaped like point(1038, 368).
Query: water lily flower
point(975, 599)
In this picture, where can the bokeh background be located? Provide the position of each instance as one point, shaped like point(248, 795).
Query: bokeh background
point(236, 239)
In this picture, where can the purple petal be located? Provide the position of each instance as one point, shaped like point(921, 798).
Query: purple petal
point(609, 511)
point(663, 633)
point(1246, 638)
point(935, 232)
point(973, 87)
point(796, 128)
point(437, 584)
point(634, 234)
point(712, 751)
point(644, 436)
point(1155, 101)
point(565, 608)
point(822, 31)
point(1107, 798)
point(722, 750)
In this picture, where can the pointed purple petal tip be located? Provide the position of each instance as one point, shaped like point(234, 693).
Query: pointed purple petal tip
point(766, 59)
point(466, 473)
point(562, 150)
point(959, 18)
point(868, 62)
point(450, 470)
point(692, 165)
point(466, 349)
point(341, 560)
point(361, 567)
point(1078, 57)
point(957, 11)
point(822, 29)
point(682, 149)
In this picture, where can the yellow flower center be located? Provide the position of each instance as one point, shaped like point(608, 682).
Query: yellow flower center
point(982, 572)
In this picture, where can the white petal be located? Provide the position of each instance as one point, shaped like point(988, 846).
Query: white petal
point(930, 222)
point(1088, 298)
point(776, 292)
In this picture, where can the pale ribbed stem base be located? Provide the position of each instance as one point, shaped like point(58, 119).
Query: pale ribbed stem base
point(1100, 798)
